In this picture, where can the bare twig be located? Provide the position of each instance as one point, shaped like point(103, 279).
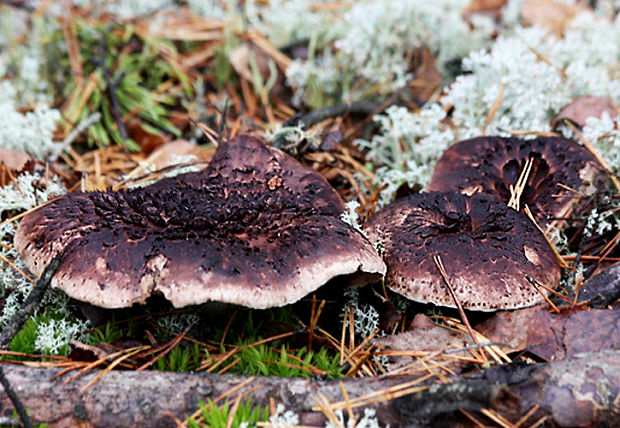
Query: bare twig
point(20, 4)
point(81, 127)
point(116, 109)
point(17, 322)
point(30, 304)
point(19, 407)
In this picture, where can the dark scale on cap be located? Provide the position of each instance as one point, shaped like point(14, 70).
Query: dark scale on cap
point(487, 249)
point(492, 164)
point(255, 228)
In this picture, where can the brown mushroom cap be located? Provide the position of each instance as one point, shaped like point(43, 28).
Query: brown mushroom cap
point(255, 228)
point(492, 164)
point(487, 249)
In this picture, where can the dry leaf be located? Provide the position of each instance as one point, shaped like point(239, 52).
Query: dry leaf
point(491, 8)
point(569, 333)
point(239, 58)
point(549, 14)
point(14, 159)
point(510, 327)
point(581, 108)
point(168, 154)
point(427, 77)
point(603, 289)
point(147, 141)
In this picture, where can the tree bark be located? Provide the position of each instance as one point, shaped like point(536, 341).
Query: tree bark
point(583, 390)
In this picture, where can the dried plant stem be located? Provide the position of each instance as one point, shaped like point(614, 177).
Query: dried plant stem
point(444, 275)
point(111, 89)
point(494, 108)
point(517, 190)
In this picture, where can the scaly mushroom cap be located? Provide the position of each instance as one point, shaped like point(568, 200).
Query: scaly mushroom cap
point(255, 228)
point(492, 164)
point(487, 249)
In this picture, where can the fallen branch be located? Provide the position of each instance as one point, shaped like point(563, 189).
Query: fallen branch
point(17, 404)
point(17, 322)
point(575, 391)
point(30, 304)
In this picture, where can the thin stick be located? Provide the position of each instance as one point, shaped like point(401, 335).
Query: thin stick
point(444, 275)
point(549, 289)
point(30, 304)
point(471, 418)
point(345, 395)
point(560, 259)
point(542, 293)
point(528, 415)
point(18, 321)
point(493, 111)
point(232, 317)
point(111, 366)
point(172, 345)
point(15, 268)
point(17, 404)
point(496, 417)
point(517, 190)
point(233, 411)
point(595, 153)
point(116, 108)
point(81, 127)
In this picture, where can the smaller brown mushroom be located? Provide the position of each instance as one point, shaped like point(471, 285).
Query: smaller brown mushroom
point(562, 173)
point(491, 252)
point(255, 228)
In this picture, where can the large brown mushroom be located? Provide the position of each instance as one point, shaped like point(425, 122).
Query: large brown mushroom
point(563, 173)
point(491, 253)
point(255, 228)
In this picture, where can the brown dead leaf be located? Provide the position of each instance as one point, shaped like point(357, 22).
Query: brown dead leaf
point(492, 8)
point(239, 58)
point(550, 14)
point(581, 108)
point(147, 141)
point(603, 289)
point(560, 336)
point(167, 154)
point(14, 159)
point(427, 76)
point(509, 326)
point(554, 336)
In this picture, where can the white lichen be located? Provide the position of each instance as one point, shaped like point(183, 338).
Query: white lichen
point(604, 134)
point(29, 191)
point(54, 335)
point(365, 316)
point(178, 323)
point(369, 420)
point(370, 57)
point(350, 215)
point(283, 418)
point(407, 147)
point(524, 78)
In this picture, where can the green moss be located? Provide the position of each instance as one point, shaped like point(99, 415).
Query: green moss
point(217, 417)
